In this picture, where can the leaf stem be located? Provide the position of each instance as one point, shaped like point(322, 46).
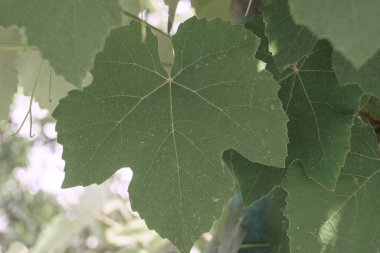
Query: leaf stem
point(29, 113)
point(248, 8)
point(146, 23)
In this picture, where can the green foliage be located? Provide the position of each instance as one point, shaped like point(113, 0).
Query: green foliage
point(267, 110)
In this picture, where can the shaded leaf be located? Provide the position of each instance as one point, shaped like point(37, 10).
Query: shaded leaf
point(346, 220)
point(278, 224)
point(9, 38)
point(255, 180)
point(172, 129)
point(351, 26)
point(68, 33)
point(257, 26)
point(287, 41)
point(320, 113)
point(367, 76)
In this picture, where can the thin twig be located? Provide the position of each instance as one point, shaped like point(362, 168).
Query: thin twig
point(29, 113)
point(248, 8)
point(146, 23)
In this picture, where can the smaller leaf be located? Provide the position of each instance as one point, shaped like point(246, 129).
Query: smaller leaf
point(321, 114)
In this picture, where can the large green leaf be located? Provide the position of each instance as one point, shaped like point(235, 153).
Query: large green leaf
point(320, 113)
point(9, 38)
point(256, 180)
point(346, 220)
point(367, 76)
point(351, 26)
point(287, 41)
point(172, 129)
point(213, 8)
point(67, 32)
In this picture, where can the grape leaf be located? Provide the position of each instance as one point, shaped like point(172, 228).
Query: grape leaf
point(367, 76)
point(255, 180)
point(172, 129)
point(346, 220)
point(212, 8)
point(68, 32)
point(351, 26)
point(50, 87)
point(9, 37)
point(287, 41)
point(320, 113)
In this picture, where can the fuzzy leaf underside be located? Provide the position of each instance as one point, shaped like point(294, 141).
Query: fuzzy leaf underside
point(172, 129)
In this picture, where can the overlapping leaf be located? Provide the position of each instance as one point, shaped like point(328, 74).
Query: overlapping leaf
point(346, 220)
point(9, 40)
point(367, 76)
point(351, 26)
point(287, 41)
point(67, 32)
point(172, 129)
point(320, 113)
